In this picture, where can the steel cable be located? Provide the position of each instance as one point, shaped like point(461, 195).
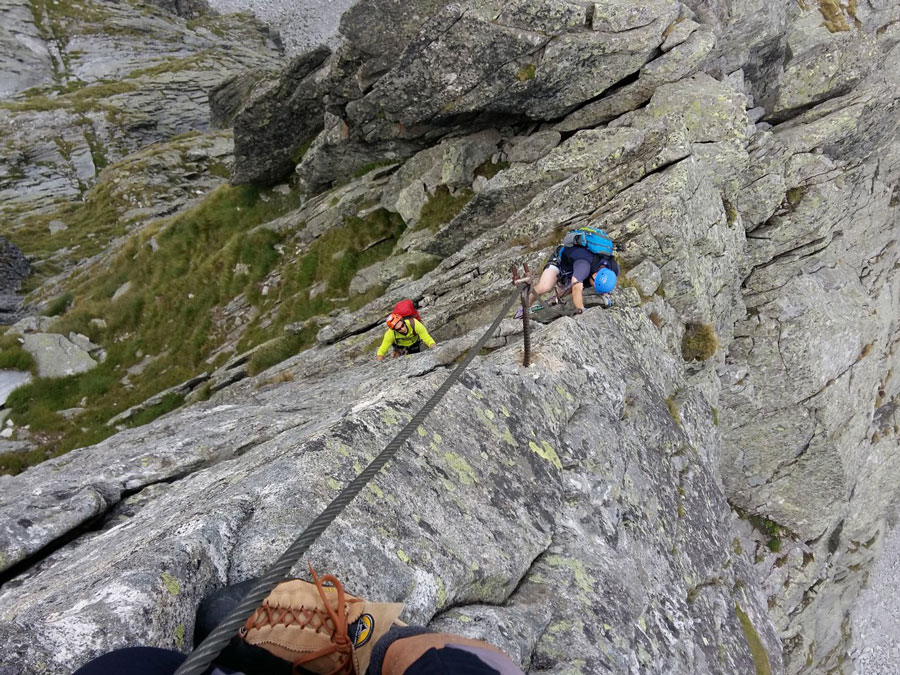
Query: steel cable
point(201, 658)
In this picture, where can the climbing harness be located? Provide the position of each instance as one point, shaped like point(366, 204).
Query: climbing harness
point(201, 658)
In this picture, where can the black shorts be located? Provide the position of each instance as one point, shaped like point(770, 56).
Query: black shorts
point(563, 276)
point(414, 348)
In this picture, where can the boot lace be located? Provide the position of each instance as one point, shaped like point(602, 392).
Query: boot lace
point(331, 621)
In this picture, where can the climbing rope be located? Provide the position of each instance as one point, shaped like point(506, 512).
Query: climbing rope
point(201, 658)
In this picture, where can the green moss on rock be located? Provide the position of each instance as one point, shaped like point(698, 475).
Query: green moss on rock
point(757, 649)
point(526, 73)
point(699, 342)
point(442, 207)
point(794, 195)
point(171, 583)
point(672, 405)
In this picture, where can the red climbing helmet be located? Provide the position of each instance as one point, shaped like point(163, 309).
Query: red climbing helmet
point(394, 321)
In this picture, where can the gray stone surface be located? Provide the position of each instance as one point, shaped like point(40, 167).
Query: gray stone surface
point(876, 616)
point(536, 77)
point(824, 61)
point(302, 24)
point(56, 356)
point(278, 120)
point(9, 380)
point(536, 446)
point(450, 164)
point(678, 62)
point(388, 271)
point(25, 59)
point(31, 324)
point(646, 276)
point(530, 148)
point(473, 58)
point(808, 382)
point(123, 77)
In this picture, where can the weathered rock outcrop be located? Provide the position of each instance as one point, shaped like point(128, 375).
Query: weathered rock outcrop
point(122, 78)
point(14, 269)
point(25, 57)
point(524, 61)
point(190, 9)
point(148, 184)
point(808, 408)
point(536, 504)
point(278, 120)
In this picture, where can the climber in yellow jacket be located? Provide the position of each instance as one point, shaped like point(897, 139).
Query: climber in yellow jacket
point(406, 335)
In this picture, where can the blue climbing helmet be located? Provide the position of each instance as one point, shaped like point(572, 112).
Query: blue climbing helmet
point(605, 280)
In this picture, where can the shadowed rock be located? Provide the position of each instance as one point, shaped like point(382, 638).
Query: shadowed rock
point(271, 128)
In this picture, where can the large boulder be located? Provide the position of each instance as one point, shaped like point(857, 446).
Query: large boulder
point(281, 117)
point(477, 59)
point(57, 356)
point(538, 59)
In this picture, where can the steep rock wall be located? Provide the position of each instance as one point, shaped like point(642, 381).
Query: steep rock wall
point(566, 505)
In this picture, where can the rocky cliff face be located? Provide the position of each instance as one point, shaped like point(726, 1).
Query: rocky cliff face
point(87, 84)
point(14, 269)
point(568, 512)
point(704, 472)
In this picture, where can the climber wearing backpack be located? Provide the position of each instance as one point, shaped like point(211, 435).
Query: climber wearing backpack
point(405, 332)
point(586, 256)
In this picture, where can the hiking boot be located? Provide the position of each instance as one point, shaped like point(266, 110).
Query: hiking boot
point(319, 628)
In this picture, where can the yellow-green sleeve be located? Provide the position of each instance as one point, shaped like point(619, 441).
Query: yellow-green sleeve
point(423, 333)
point(386, 343)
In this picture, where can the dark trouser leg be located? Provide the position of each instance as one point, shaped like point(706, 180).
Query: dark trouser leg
point(134, 661)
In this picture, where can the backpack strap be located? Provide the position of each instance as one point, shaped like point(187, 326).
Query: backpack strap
point(412, 325)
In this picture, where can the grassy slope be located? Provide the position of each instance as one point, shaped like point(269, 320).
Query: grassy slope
point(206, 257)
